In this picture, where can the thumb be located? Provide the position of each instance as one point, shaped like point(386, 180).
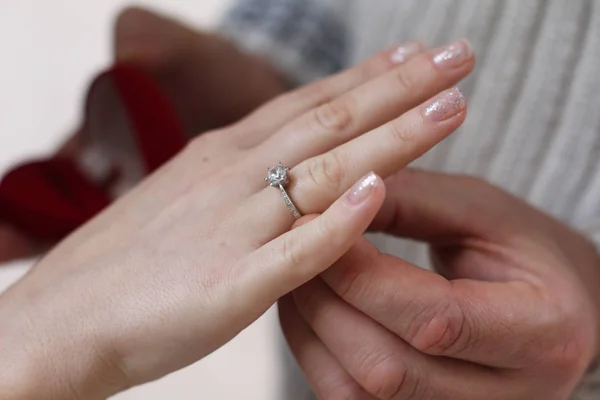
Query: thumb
point(435, 207)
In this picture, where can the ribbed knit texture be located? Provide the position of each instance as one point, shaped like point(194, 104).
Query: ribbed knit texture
point(534, 99)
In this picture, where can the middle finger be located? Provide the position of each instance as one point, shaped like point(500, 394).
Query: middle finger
point(369, 105)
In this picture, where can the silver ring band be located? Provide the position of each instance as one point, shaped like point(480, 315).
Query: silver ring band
point(278, 176)
point(288, 203)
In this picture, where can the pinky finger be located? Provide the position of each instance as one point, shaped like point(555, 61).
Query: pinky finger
point(326, 376)
point(299, 255)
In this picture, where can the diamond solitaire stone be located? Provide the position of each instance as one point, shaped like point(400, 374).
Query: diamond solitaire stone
point(278, 175)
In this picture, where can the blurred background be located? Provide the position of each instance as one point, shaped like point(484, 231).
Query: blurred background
point(51, 50)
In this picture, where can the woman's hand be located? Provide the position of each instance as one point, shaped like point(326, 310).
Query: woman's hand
point(202, 248)
point(514, 316)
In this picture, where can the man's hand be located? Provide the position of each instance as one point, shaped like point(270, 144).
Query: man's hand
point(513, 315)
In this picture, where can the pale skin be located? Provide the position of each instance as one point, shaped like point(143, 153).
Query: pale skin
point(513, 314)
point(203, 247)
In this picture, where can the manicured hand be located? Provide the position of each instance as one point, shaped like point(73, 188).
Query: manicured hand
point(203, 247)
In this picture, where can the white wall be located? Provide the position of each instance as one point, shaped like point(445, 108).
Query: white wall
point(50, 49)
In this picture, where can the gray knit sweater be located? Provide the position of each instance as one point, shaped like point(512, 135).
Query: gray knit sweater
point(534, 98)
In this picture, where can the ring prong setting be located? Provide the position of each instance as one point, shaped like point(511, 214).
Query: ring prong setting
point(278, 175)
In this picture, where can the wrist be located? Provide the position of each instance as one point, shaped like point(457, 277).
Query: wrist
point(16, 381)
point(21, 375)
point(40, 361)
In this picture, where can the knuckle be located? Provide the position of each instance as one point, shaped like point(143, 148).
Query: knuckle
point(349, 285)
point(401, 135)
point(571, 358)
point(291, 251)
point(326, 171)
point(334, 116)
point(386, 377)
point(572, 353)
point(405, 79)
point(440, 330)
point(351, 281)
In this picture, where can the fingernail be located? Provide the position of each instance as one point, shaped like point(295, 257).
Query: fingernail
point(453, 55)
point(447, 104)
point(362, 189)
point(406, 51)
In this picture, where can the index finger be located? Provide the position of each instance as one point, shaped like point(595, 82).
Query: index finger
point(499, 324)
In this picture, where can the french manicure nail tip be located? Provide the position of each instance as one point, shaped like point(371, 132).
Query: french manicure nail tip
point(362, 189)
point(446, 105)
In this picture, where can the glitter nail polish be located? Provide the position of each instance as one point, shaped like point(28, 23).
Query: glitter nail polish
point(362, 189)
point(453, 55)
point(445, 105)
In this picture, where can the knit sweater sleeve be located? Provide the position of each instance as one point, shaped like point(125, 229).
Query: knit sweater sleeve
point(304, 39)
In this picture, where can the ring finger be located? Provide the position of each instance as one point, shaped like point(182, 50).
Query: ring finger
point(318, 181)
